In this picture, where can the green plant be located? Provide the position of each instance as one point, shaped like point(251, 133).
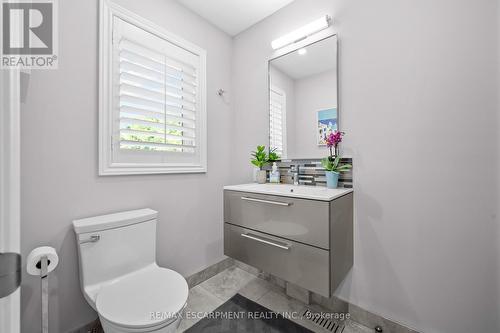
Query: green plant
point(273, 156)
point(333, 164)
point(260, 157)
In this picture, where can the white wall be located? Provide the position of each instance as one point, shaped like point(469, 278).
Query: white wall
point(59, 162)
point(312, 93)
point(418, 99)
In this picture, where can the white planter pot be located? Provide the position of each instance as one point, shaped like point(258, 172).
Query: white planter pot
point(261, 176)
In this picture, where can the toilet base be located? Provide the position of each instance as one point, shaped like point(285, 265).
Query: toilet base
point(171, 327)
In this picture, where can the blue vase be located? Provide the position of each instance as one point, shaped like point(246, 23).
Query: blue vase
point(332, 179)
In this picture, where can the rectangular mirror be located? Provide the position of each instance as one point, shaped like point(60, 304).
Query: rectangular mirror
point(303, 100)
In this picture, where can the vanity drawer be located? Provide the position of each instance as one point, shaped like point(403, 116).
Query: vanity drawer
point(304, 265)
point(301, 220)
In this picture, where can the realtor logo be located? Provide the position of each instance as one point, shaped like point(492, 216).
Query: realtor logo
point(29, 38)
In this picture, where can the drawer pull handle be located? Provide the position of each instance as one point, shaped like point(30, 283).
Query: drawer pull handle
point(268, 242)
point(278, 203)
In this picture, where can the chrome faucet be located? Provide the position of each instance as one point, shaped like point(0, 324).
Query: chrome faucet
point(294, 169)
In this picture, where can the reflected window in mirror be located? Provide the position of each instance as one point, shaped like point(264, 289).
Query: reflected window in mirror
point(277, 114)
point(303, 101)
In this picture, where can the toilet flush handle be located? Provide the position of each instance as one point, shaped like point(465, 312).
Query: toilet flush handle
point(92, 239)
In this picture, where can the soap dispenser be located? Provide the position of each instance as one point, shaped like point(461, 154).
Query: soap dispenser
point(275, 174)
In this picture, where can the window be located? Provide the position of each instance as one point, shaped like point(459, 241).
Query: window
point(277, 121)
point(152, 102)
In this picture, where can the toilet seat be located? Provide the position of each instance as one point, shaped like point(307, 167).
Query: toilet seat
point(147, 299)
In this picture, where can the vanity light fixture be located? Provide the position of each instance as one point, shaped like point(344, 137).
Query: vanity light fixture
point(302, 51)
point(302, 33)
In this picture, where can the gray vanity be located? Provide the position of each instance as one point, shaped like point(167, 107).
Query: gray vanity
point(301, 234)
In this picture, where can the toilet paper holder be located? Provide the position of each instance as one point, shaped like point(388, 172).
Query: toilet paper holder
point(43, 266)
point(39, 264)
point(41, 261)
point(34, 261)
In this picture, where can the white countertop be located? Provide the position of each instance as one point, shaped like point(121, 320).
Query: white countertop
point(294, 191)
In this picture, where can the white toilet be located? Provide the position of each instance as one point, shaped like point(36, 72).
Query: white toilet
point(119, 276)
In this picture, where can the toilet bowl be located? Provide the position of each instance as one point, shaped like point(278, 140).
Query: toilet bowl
point(119, 276)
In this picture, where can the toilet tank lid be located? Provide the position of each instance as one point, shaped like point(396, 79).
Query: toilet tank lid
point(111, 221)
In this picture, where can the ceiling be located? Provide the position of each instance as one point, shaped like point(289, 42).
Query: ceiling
point(320, 57)
point(234, 16)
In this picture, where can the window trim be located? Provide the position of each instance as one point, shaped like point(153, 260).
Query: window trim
point(108, 10)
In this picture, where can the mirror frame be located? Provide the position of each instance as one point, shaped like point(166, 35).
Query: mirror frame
point(319, 37)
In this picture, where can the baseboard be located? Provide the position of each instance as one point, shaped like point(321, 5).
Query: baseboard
point(333, 304)
point(337, 305)
point(371, 319)
point(92, 327)
point(208, 272)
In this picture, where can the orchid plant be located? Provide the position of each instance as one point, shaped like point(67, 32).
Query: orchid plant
point(332, 162)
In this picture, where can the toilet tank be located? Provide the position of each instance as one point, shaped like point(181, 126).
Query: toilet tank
point(110, 246)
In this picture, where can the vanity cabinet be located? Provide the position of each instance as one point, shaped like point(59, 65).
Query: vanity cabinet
point(303, 241)
point(304, 221)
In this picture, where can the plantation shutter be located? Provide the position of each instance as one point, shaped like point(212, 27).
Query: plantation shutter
point(157, 98)
point(276, 121)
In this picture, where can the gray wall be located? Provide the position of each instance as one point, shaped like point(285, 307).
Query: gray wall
point(418, 103)
point(59, 162)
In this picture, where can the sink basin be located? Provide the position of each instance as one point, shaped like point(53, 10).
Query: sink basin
point(294, 191)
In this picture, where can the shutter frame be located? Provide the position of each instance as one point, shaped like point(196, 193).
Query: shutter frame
point(112, 159)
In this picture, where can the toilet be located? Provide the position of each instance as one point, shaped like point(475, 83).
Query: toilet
point(119, 276)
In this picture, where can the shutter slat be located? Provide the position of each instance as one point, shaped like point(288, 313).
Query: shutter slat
point(137, 111)
point(142, 93)
point(133, 79)
point(181, 119)
point(132, 142)
point(143, 72)
point(180, 91)
point(141, 102)
point(181, 102)
point(131, 59)
point(139, 60)
point(156, 148)
point(156, 75)
point(147, 102)
point(140, 132)
point(157, 134)
point(157, 125)
point(159, 90)
point(148, 54)
point(145, 83)
point(145, 112)
point(183, 67)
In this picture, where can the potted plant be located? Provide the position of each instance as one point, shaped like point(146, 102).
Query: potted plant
point(273, 155)
point(260, 159)
point(332, 163)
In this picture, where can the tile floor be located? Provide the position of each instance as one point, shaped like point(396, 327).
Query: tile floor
point(210, 294)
